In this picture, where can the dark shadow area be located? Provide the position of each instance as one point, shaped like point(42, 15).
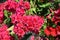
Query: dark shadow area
point(1, 1)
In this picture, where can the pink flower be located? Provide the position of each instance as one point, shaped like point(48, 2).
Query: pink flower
point(20, 11)
point(10, 6)
point(4, 33)
point(27, 5)
point(28, 23)
point(32, 38)
point(1, 16)
point(19, 31)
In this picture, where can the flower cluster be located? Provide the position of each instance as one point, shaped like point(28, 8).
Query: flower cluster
point(52, 31)
point(16, 13)
point(56, 17)
point(24, 24)
point(17, 8)
point(1, 16)
point(56, 20)
point(4, 33)
point(14, 7)
point(1, 13)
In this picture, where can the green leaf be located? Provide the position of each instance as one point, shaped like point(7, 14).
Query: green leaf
point(26, 36)
point(45, 5)
point(15, 37)
point(44, 26)
point(48, 12)
point(7, 21)
point(51, 38)
point(6, 13)
point(41, 33)
point(11, 33)
point(54, 25)
point(34, 9)
point(17, 0)
point(11, 28)
point(31, 3)
point(39, 9)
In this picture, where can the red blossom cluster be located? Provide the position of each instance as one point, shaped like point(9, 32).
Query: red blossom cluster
point(24, 24)
point(56, 20)
point(1, 13)
point(52, 31)
point(4, 33)
point(1, 16)
point(56, 17)
point(14, 7)
point(17, 7)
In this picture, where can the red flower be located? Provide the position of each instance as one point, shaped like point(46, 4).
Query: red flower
point(24, 24)
point(20, 11)
point(56, 17)
point(1, 13)
point(4, 33)
point(51, 31)
point(27, 5)
point(57, 12)
point(47, 32)
point(58, 30)
point(19, 31)
point(1, 16)
point(31, 23)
